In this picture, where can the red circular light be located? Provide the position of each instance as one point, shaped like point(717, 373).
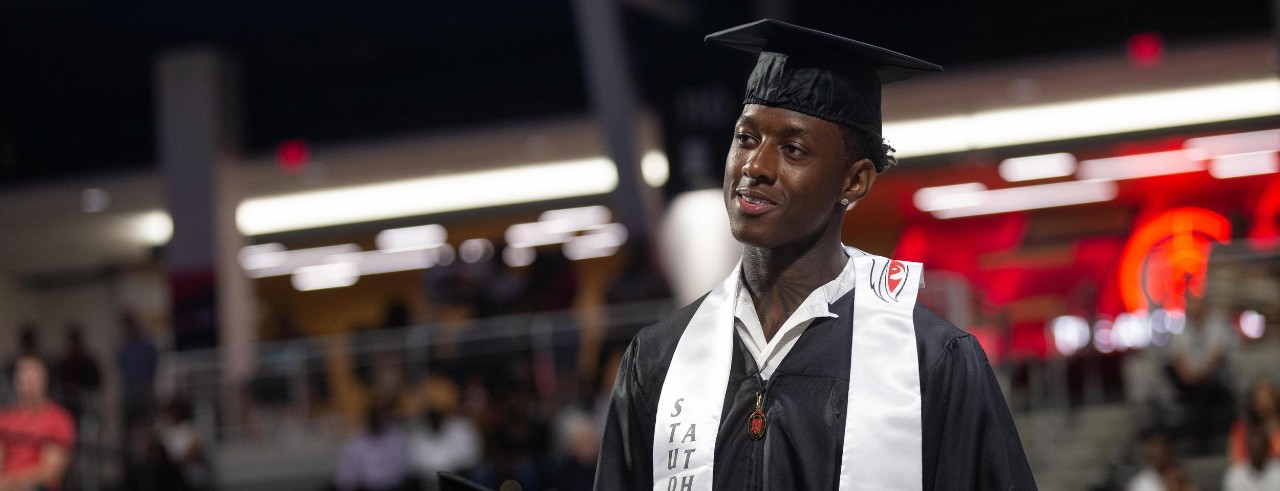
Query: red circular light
point(293, 155)
point(1146, 50)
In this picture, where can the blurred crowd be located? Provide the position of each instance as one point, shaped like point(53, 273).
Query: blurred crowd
point(1252, 441)
point(1201, 412)
point(502, 396)
point(54, 414)
point(501, 382)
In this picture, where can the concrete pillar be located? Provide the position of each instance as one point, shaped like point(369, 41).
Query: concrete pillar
point(213, 301)
point(608, 73)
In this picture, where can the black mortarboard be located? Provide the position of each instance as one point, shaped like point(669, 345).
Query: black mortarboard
point(453, 482)
point(819, 74)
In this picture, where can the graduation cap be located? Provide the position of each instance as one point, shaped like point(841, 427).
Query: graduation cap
point(819, 74)
point(453, 482)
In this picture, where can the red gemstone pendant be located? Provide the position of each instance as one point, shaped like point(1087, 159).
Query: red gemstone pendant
point(756, 424)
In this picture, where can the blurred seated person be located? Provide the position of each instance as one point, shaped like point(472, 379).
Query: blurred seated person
point(1161, 470)
point(374, 460)
point(1198, 360)
point(36, 434)
point(442, 441)
point(581, 442)
point(184, 445)
point(147, 466)
point(1261, 470)
point(1262, 413)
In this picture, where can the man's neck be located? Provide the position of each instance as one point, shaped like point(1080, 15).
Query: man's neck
point(779, 279)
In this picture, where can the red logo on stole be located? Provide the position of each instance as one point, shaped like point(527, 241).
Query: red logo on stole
point(897, 277)
point(888, 283)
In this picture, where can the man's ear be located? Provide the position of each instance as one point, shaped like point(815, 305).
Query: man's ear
point(858, 180)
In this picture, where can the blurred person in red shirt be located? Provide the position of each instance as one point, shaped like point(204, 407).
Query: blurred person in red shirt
point(36, 434)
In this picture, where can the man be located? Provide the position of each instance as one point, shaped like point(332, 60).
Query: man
point(78, 376)
point(810, 366)
point(36, 435)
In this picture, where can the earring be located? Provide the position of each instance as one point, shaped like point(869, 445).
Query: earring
point(844, 201)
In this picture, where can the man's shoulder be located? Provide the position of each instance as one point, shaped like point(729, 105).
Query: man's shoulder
point(51, 420)
point(935, 335)
point(54, 413)
point(652, 348)
point(48, 409)
point(663, 335)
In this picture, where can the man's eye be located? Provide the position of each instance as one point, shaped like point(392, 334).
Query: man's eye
point(793, 150)
point(743, 138)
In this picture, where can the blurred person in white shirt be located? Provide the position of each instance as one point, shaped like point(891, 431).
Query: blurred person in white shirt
point(1260, 472)
point(374, 460)
point(442, 441)
point(1161, 470)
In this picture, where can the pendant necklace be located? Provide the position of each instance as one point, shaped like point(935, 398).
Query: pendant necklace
point(756, 424)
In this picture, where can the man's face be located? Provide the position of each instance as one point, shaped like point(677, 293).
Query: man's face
point(30, 379)
point(784, 177)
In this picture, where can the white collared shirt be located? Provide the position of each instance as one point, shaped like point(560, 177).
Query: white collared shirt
point(769, 353)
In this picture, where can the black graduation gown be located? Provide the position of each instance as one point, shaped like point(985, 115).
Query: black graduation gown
point(969, 440)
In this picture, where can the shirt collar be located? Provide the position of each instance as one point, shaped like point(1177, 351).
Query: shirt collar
point(818, 303)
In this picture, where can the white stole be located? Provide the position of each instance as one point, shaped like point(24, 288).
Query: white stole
point(882, 444)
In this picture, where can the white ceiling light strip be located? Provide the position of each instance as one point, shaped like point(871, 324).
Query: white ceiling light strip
point(1038, 167)
point(411, 238)
point(578, 218)
point(321, 276)
point(599, 242)
point(427, 195)
point(1086, 118)
point(1143, 165)
point(1027, 198)
point(950, 197)
point(377, 262)
point(264, 260)
point(1236, 143)
point(538, 233)
point(1244, 164)
point(1240, 154)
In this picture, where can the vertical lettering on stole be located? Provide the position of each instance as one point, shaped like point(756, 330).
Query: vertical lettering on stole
point(690, 436)
point(685, 483)
point(680, 482)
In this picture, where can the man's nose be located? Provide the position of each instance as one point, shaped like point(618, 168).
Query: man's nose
point(759, 166)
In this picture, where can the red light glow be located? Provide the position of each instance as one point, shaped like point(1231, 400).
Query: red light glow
point(1168, 255)
point(1146, 50)
point(293, 155)
point(1265, 234)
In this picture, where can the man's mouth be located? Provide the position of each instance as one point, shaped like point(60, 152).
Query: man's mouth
point(752, 203)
